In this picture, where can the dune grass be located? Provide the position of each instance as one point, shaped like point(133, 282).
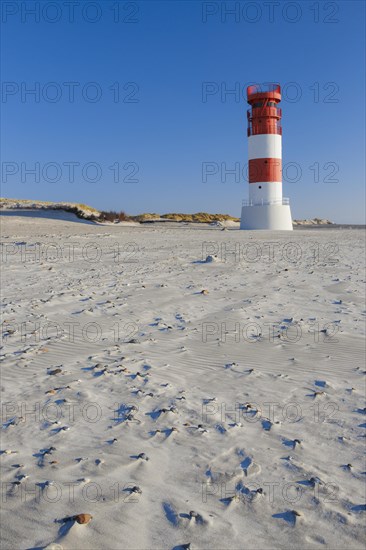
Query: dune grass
point(200, 217)
point(85, 211)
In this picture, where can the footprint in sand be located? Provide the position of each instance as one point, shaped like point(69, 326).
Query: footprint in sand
point(171, 514)
point(194, 518)
point(248, 465)
point(267, 424)
point(245, 494)
point(290, 516)
point(293, 443)
point(315, 539)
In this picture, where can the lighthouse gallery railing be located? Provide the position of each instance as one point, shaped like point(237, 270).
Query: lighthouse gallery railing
point(284, 200)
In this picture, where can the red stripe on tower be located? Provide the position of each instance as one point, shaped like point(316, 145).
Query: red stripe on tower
point(267, 169)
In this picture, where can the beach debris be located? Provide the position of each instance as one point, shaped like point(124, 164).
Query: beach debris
point(22, 477)
point(204, 291)
point(49, 483)
point(54, 372)
point(319, 393)
point(143, 456)
point(49, 451)
point(201, 428)
point(196, 517)
point(230, 365)
point(209, 400)
point(315, 481)
point(171, 409)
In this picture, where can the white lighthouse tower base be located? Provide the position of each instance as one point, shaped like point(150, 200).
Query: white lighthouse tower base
point(266, 216)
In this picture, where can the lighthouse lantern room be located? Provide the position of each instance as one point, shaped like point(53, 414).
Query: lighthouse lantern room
point(266, 208)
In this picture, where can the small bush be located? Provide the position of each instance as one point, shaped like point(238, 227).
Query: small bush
point(112, 216)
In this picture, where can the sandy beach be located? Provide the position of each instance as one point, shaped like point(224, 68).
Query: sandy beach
point(186, 386)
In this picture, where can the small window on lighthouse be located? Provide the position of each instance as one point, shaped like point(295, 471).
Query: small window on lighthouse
point(259, 187)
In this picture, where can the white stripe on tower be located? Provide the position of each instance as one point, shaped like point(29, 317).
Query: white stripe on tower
point(265, 146)
point(264, 192)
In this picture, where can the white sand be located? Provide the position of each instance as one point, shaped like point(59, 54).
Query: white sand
point(310, 390)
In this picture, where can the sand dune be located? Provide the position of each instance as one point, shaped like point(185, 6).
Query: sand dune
point(231, 418)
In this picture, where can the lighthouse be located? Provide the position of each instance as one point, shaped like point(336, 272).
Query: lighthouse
point(266, 208)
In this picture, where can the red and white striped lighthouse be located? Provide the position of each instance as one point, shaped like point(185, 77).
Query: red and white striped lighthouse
point(266, 208)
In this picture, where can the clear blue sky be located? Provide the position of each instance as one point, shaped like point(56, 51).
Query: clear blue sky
point(164, 53)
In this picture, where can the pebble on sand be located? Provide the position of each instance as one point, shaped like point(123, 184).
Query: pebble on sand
point(82, 518)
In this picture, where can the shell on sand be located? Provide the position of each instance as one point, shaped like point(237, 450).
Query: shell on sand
point(82, 518)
